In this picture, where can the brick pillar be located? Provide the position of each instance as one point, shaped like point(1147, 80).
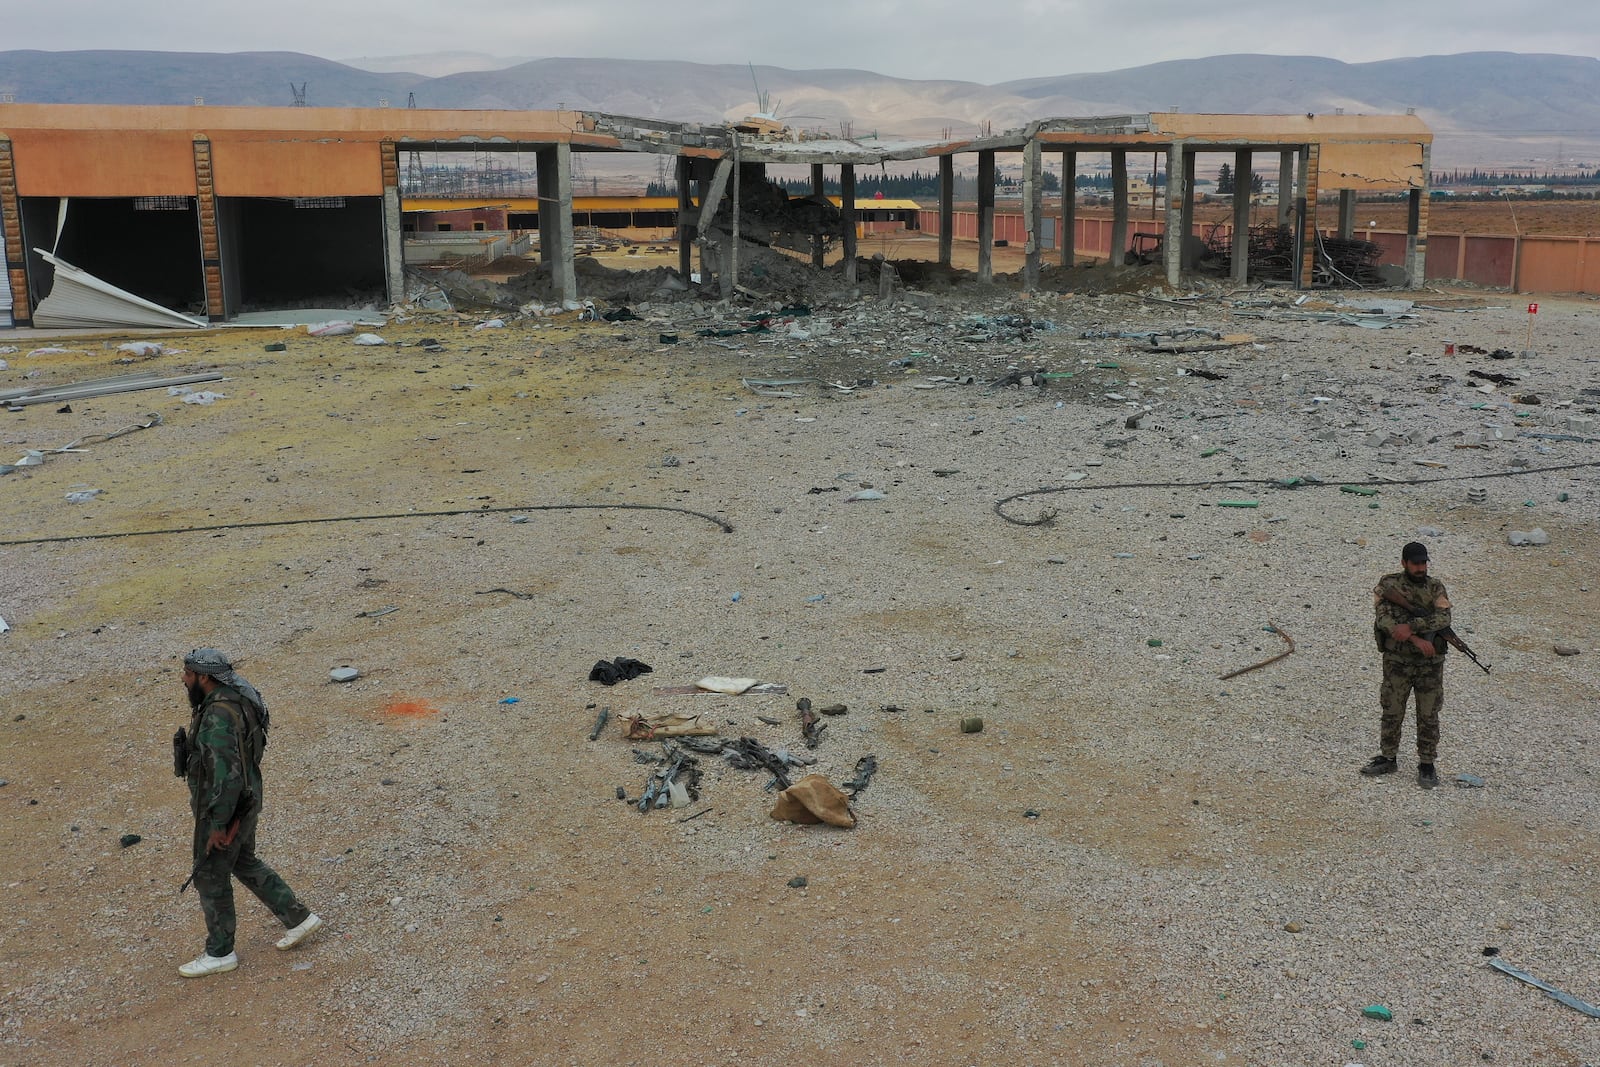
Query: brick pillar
point(205, 202)
point(11, 221)
point(1306, 201)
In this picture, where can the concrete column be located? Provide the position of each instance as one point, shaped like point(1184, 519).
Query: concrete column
point(702, 196)
point(1285, 187)
point(819, 247)
point(1306, 203)
point(710, 203)
point(847, 219)
point(555, 217)
point(685, 228)
point(1177, 195)
point(1068, 241)
point(730, 265)
point(1119, 208)
point(394, 244)
point(1347, 213)
point(544, 174)
point(1187, 222)
point(947, 214)
point(1241, 215)
point(986, 216)
point(11, 232)
point(1032, 213)
point(1417, 226)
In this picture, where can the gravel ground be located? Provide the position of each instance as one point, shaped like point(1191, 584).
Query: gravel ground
point(1135, 861)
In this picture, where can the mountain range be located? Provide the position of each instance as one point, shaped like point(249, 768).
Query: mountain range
point(1490, 109)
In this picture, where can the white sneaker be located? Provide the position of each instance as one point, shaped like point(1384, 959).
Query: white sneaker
point(209, 964)
point(301, 932)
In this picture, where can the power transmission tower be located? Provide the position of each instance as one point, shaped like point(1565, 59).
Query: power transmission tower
point(413, 159)
point(299, 92)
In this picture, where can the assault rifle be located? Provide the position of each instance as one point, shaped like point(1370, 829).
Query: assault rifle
point(658, 790)
point(1448, 633)
point(246, 801)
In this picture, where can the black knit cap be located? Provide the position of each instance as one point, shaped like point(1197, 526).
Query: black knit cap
point(1414, 552)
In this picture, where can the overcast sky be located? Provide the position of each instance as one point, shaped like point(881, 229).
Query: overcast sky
point(986, 41)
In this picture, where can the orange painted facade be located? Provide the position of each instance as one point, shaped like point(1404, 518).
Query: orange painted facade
point(103, 162)
point(294, 167)
point(80, 150)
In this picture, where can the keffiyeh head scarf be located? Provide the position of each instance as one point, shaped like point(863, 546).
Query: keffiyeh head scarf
point(209, 661)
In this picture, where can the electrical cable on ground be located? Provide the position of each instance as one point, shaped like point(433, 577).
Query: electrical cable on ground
point(726, 527)
point(1048, 515)
point(1281, 632)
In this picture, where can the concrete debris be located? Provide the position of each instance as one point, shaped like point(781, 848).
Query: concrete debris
point(146, 349)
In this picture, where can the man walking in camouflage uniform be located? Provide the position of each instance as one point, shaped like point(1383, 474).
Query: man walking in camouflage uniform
point(1410, 608)
point(221, 758)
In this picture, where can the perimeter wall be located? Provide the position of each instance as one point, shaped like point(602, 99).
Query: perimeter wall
point(1526, 264)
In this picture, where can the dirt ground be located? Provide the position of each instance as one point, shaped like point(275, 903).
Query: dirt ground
point(1132, 863)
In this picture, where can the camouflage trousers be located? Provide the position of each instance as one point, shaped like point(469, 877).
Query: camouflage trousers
point(214, 882)
point(1401, 678)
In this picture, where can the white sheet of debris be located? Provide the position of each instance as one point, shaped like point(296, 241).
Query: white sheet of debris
point(79, 299)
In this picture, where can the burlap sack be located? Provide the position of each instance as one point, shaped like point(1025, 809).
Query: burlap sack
point(814, 799)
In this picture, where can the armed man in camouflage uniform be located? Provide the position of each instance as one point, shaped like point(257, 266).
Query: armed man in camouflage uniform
point(1413, 659)
point(221, 758)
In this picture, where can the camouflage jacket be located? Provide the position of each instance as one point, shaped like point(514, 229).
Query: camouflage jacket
point(1428, 598)
point(224, 757)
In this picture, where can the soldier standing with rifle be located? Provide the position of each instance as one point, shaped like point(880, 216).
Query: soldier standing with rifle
point(221, 758)
point(1411, 625)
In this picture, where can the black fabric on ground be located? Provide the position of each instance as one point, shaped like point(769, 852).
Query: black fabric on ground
point(610, 672)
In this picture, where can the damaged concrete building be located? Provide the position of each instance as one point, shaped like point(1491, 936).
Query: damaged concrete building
point(201, 211)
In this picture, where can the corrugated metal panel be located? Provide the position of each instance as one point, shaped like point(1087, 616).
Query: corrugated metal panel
point(78, 298)
point(5, 288)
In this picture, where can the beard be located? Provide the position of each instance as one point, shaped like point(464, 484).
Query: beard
point(1417, 579)
point(196, 696)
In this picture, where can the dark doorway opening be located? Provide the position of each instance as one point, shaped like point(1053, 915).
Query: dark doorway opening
point(147, 246)
point(276, 253)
